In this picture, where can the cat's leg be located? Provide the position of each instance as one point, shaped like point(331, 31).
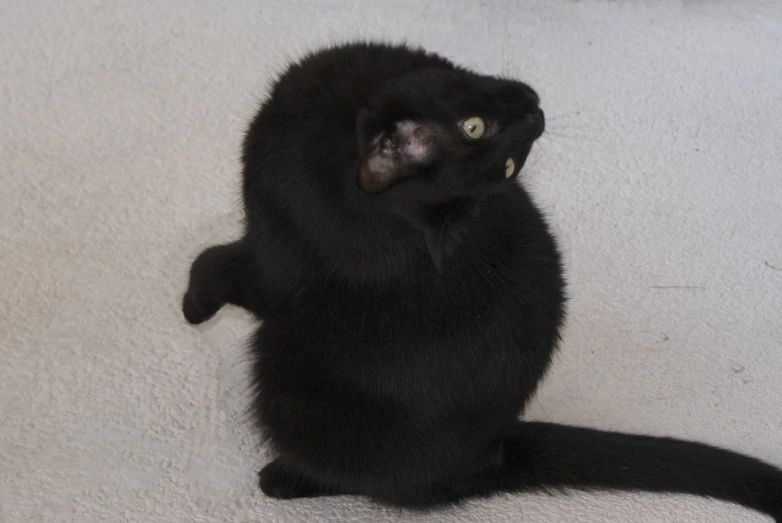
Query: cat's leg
point(281, 481)
point(221, 274)
point(477, 478)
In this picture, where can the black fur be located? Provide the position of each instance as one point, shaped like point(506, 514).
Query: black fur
point(412, 297)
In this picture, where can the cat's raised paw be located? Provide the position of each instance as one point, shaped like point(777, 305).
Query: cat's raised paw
point(198, 311)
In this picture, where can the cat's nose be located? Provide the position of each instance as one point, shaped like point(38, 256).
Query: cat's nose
point(536, 122)
point(530, 92)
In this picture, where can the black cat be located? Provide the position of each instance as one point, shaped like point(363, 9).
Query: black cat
point(412, 296)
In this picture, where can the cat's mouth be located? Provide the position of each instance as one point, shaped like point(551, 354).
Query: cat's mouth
point(520, 159)
point(531, 127)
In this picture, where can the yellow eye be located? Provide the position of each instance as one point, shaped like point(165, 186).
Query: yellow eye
point(510, 166)
point(473, 127)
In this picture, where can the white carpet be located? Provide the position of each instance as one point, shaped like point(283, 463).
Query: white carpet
point(120, 133)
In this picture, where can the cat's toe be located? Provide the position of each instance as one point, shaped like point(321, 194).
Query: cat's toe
point(197, 311)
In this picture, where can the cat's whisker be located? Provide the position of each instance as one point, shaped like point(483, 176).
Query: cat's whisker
point(535, 158)
point(543, 147)
point(565, 115)
point(566, 126)
point(552, 135)
point(563, 123)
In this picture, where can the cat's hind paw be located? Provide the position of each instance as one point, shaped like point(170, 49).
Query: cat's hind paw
point(280, 481)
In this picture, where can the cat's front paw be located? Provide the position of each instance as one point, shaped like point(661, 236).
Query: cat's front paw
point(202, 299)
point(198, 311)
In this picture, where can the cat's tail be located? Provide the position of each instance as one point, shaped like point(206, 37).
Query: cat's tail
point(545, 455)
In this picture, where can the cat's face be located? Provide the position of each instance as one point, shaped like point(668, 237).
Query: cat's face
point(446, 133)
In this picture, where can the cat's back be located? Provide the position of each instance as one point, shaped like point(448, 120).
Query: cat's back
point(345, 77)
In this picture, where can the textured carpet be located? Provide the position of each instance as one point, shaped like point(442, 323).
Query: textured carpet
point(120, 133)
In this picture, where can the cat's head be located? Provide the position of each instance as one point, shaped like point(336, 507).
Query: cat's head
point(439, 134)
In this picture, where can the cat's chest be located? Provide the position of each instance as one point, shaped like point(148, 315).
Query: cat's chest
point(414, 311)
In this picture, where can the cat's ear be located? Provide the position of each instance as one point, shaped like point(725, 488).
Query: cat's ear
point(388, 155)
point(379, 165)
point(380, 168)
point(365, 129)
